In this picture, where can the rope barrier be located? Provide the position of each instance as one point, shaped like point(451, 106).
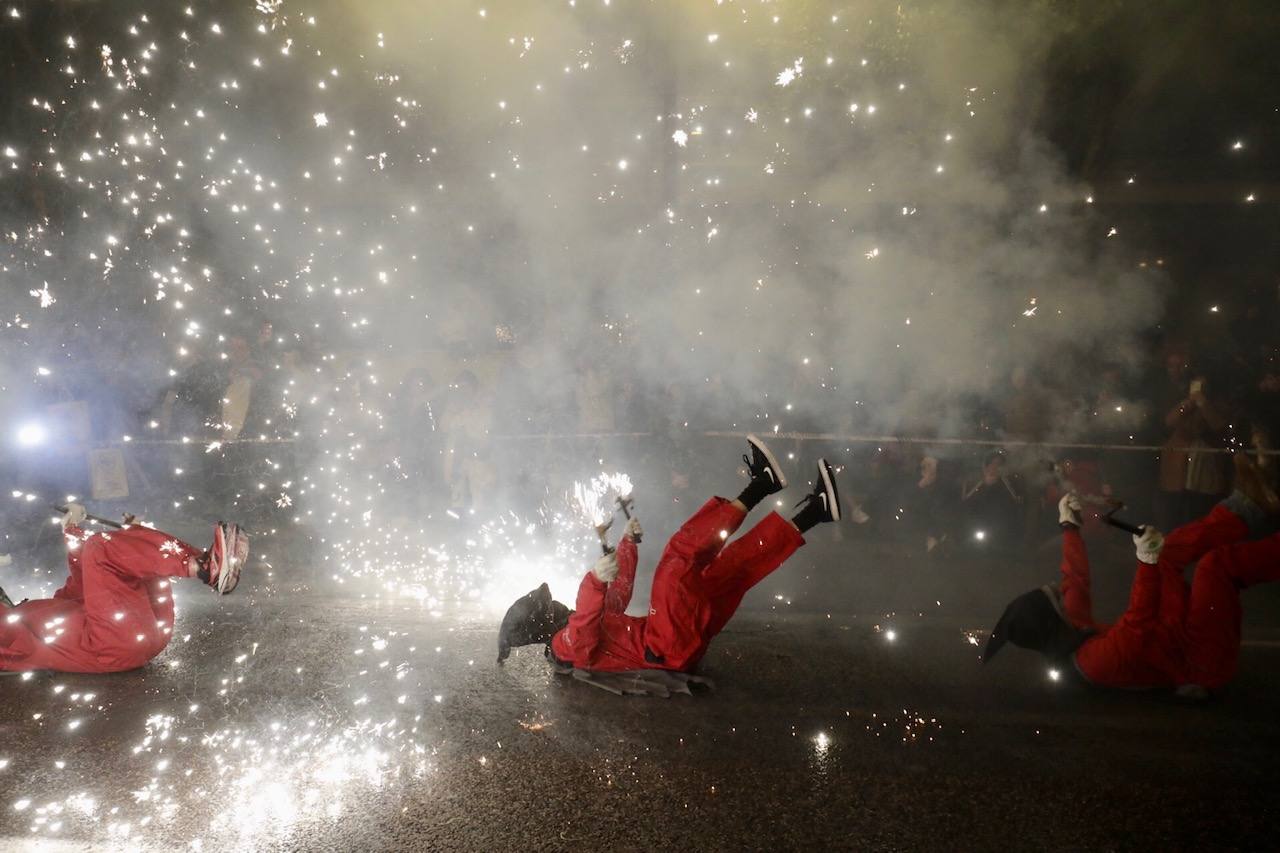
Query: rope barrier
point(981, 442)
point(892, 439)
point(781, 435)
point(195, 442)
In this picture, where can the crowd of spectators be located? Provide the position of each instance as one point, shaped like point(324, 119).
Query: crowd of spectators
point(1157, 441)
point(1156, 449)
point(483, 429)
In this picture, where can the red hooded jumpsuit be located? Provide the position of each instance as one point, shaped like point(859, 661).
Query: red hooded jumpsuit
point(1171, 634)
point(697, 586)
point(115, 611)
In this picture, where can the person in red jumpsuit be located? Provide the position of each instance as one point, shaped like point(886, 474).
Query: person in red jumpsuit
point(115, 612)
point(699, 582)
point(1172, 635)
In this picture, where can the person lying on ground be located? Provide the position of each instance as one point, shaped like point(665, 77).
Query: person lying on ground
point(698, 584)
point(1172, 634)
point(115, 612)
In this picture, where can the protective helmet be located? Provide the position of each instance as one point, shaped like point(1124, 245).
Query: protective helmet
point(533, 618)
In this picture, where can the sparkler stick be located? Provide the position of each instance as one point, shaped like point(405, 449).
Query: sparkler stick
point(602, 531)
point(103, 521)
point(1110, 519)
point(586, 499)
point(625, 503)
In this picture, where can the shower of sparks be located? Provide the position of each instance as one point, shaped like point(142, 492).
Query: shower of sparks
point(910, 727)
point(167, 148)
point(44, 295)
point(180, 125)
point(240, 778)
point(591, 499)
point(789, 74)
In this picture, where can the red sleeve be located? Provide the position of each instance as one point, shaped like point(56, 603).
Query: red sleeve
point(618, 595)
point(1144, 598)
point(73, 589)
point(582, 635)
point(1144, 595)
point(1076, 597)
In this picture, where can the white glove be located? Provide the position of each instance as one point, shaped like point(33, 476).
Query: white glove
point(1149, 545)
point(633, 530)
point(1069, 510)
point(606, 568)
point(74, 516)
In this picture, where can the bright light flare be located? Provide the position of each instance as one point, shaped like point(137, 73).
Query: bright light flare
point(32, 435)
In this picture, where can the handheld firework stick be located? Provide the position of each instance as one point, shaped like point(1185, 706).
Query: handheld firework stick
point(625, 504)
point(586, 500)
point(1110, 519)
point(103, 521)
point(602, 530)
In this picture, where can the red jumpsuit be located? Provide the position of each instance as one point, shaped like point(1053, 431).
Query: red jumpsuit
point(697, 586)
point(1171, 634)
point(115, 611)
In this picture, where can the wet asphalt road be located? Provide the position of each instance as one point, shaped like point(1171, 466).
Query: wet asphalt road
point(287, 719)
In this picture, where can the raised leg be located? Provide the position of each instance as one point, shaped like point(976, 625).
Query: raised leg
point(744, 563)
point(703, 535)
point(1212, 626)
point(679, 610)
point(1194, 539)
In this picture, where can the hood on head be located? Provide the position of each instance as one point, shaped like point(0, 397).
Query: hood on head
point(1035, 621)
point(532, 618)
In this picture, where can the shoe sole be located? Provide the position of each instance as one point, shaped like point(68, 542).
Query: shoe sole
point(829, 486)
point(230, 568)
point(234, 566)
point(754, 441)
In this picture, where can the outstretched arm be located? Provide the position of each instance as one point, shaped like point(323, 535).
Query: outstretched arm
point(586, 629)
point(73, 535)
point(618, 594)
point(1077, 600)
point(73, 589)
point(1144, 595)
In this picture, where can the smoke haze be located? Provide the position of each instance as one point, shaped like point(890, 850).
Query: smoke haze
point(889, 214)
point(803, 216)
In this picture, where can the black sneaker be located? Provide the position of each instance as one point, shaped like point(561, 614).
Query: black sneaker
point(824, 495)
point(762, 465)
